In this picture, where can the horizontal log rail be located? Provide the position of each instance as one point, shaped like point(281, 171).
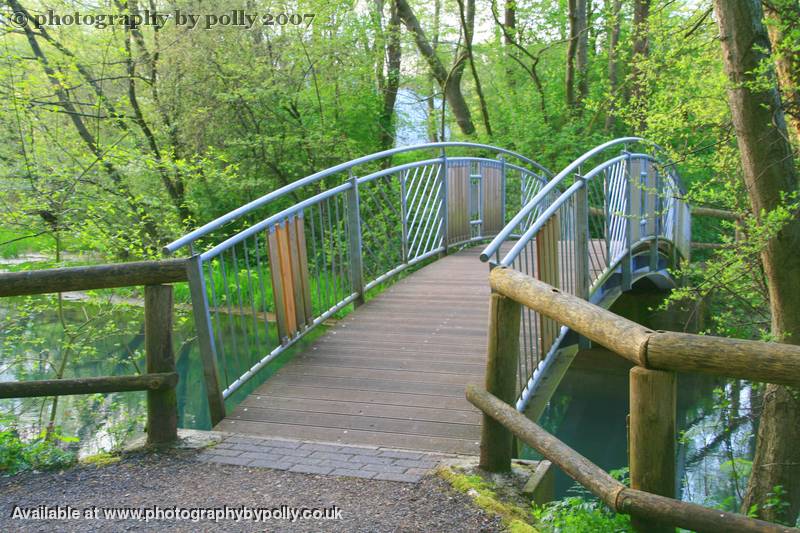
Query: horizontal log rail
point(659, 350)
point(621, 499)
point(65, 387)
point(711, 212)
point(83, 278)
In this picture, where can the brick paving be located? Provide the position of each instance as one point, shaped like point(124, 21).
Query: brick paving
point(324, 459)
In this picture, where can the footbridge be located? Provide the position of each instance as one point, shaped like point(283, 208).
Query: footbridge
point(392, 253)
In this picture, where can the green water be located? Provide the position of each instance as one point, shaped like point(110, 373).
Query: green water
point(102, 338)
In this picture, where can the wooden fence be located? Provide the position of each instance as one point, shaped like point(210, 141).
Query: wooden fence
point(658, 355)
point(161, 377)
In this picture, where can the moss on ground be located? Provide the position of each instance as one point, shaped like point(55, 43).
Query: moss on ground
point(516, 519)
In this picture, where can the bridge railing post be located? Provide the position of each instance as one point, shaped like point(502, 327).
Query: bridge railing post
point(656, 219)
point(205, 340)
point(354, 240)
point(445, 231)
point(162, 405)
point(627, 274)
point(404, 216)
point(501, 380)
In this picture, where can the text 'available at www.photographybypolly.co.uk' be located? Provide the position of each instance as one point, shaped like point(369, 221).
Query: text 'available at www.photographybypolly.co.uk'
point(191, 514)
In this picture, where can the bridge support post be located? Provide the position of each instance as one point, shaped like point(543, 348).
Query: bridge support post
point(652, 437)
point(627, 265)
point(501, 380)
point(445, 230)
point(582, 248)
point(354, 241)
point(162, 405)
point(208, 352)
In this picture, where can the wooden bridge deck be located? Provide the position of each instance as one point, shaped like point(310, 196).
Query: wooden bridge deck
point(392, 373)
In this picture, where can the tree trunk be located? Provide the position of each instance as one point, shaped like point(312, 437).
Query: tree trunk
point(572, 48)
point(769, 173)
point(582, 57)
point(641, 50)
point(450, 82)
point(467, 15)
point(393, 56)
point(613, 8)
point(783, 18)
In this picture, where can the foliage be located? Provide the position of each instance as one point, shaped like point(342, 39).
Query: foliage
point(17, 455)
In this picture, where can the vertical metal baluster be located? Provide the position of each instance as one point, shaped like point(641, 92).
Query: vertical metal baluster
point(404, 216)
point(324, 257)
point(251, 293)
point(228, 304)
point(317, 276)
point(263, 293)
point(334, 281)
point(241, 320)
point(217, 330)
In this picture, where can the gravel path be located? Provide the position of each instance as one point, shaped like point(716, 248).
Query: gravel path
point(176, 478)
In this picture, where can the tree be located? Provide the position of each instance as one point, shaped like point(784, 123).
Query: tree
point(449, 81)
point(771, 180)
point(783, 25)
point(613, 8)
point(577, 56)
point(641, 51)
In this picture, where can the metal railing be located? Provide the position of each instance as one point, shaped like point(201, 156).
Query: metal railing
point(265, 274)
point(588, 231)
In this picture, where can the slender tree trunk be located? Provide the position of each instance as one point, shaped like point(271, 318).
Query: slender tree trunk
point(769, 174)
point(572, 49)
point(449, 81)
point(582, 56)
point(509, 35)
point(641, 50)
point(391, 85)
point(783, 25)
point(468, 24)
point(613, 8)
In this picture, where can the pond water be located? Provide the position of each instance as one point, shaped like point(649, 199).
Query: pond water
point(101, 338)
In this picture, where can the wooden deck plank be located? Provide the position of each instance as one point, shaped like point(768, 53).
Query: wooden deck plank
point(392, 373)
point(313, 405)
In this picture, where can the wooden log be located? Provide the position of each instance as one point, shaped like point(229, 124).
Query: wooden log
point(162, 405)
point(92, 277)
point(771, 362)
point(623, 336)
point(714, 213)
point(573, 464)
point(501, 380)
point(692, 516)
point(708, 245)
point(67, 387)
point(621, 499)
point(652, 438)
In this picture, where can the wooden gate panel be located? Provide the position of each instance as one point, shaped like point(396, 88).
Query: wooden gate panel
point(547, 267)
point(492, 199)
point(458, 229)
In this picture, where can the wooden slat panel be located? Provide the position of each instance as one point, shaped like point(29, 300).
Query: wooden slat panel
point(547, 259)
point(492, 199)
point(457, 202)
point(289, 269)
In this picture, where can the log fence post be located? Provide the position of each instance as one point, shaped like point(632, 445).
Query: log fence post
point(501, 381)
point(162, 405)
point(652, 438)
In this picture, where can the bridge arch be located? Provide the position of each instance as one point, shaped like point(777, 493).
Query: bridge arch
point(266, 274)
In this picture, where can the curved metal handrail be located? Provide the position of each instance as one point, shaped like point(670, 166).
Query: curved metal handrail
point(313, 178)
point(492, 248)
